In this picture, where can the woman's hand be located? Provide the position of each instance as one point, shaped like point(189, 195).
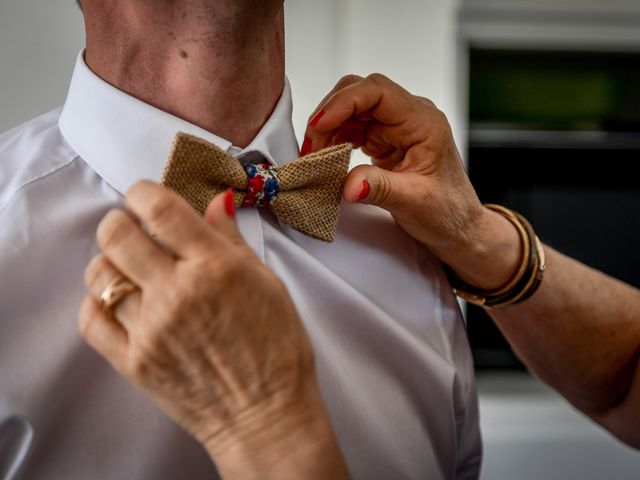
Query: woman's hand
point(417, 175)
point(211, 335)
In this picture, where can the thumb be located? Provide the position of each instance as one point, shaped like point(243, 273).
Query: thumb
point(375, 186)
point(221, 215)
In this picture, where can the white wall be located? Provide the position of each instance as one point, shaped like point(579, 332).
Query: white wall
point(39, 41)
point(409, 40)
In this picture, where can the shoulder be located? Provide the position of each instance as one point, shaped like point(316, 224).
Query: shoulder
point(31, 151)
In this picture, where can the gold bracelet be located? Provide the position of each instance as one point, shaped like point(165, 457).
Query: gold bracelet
point(526, 250)
point(527, 277)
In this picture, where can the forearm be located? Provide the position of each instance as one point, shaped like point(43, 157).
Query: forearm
point(580, 332)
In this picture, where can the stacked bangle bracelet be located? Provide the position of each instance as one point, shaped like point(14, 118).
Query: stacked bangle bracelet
point(527, 277)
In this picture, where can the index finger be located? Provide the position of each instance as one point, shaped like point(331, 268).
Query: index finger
point(170, 218)
point(357, 98)
point(345, 81)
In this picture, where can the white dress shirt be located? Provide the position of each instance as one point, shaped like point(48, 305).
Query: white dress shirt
point(393, 362)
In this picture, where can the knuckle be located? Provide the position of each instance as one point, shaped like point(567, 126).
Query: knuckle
point(137, 366)
point(378, 78)
point(227, 267)
point(160, 207)
point(217, 275)
point(442, 117)
point(237, 240)
point(442, 126)
point(194, 290)
point(155, 335)
point(227, 272)
point(348, 79)
point(113, 229)
point(427, 101)
point(383, 192)
point(176, 304)
point(138, 188)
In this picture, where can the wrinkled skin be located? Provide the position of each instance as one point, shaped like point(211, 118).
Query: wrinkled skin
point(211, 334)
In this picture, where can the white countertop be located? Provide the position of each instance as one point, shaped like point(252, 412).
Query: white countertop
point(531, 433)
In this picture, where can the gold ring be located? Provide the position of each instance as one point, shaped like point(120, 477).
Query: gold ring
point(115, 291)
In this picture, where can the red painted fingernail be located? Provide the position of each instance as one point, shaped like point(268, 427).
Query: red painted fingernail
point(364, 191)
point(316, 118)
point(306, 146)
point(229, 205)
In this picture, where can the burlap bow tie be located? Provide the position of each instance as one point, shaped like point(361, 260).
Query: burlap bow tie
point(304, 193)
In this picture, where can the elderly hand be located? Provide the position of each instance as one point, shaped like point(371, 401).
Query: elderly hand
point(210, 334)
point(417, 175)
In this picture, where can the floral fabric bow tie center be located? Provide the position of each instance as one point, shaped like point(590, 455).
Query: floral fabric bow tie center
point(263, 184)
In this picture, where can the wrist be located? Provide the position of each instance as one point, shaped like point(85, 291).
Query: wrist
point(489, 254)
point(292, 442)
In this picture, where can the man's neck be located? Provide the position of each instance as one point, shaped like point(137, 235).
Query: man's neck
point(220, 67)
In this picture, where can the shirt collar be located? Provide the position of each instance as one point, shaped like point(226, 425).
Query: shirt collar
point(125, 140)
